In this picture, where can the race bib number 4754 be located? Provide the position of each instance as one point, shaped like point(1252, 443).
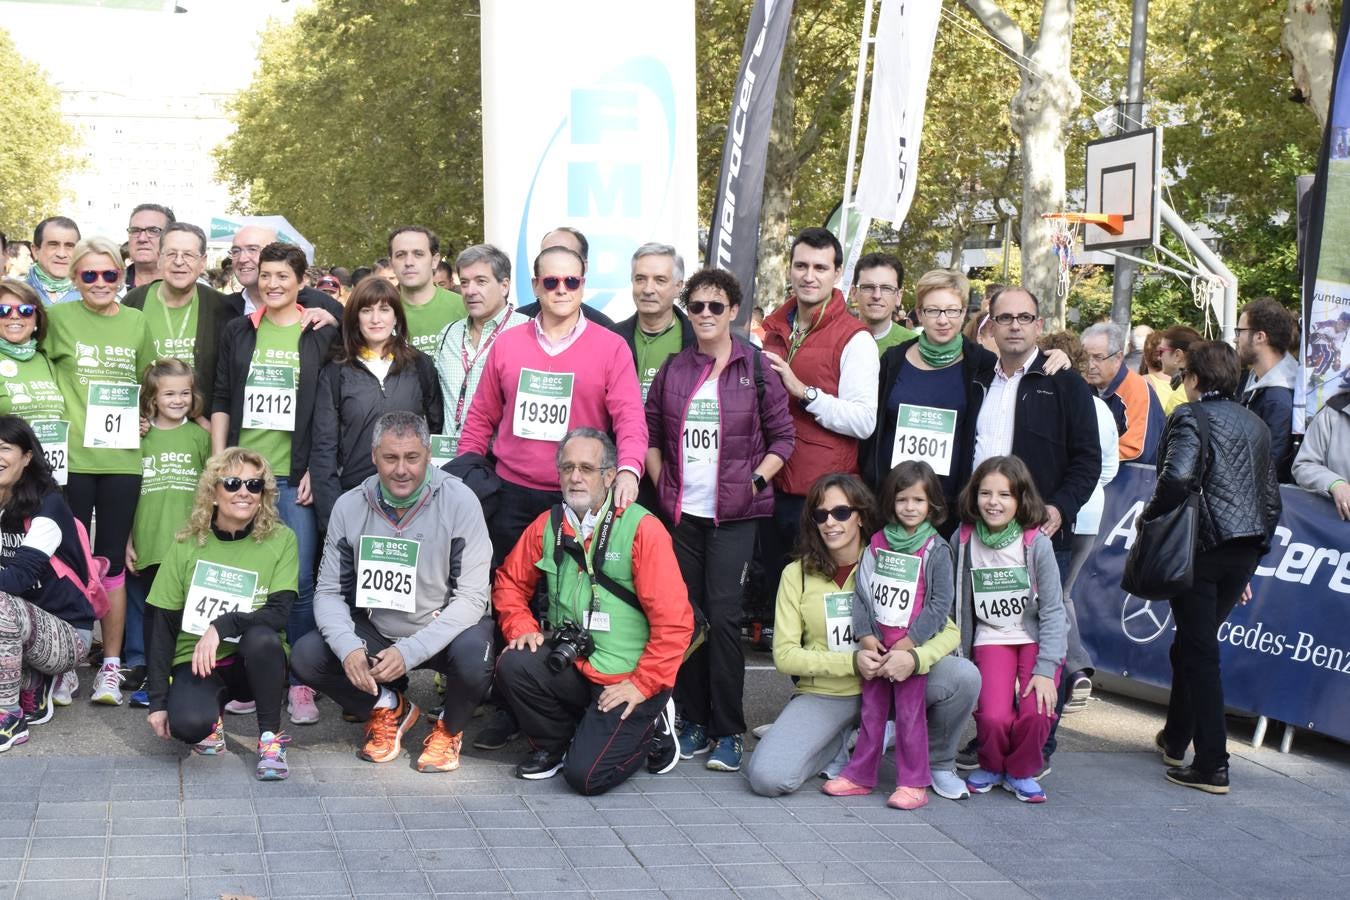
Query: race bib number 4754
point(216, 590)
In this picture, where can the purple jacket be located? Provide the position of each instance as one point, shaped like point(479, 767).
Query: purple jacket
point(751, 428)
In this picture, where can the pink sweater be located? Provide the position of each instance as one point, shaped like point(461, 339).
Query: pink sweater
point(605, 395)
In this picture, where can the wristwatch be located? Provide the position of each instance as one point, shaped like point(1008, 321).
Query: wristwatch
point(758, 481)
point(810, 396)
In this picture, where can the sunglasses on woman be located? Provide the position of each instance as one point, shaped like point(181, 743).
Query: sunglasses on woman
point(571, 282)
point(89, 276)
point(839, 513)
point(696, 307)
point(232, 484)
point(25, 310)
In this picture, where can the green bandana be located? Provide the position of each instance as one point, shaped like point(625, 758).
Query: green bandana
point(52, 285)
point(997, 540)
point(22, 352)
point(390, 500)
point(902, 541)
point(939, 356)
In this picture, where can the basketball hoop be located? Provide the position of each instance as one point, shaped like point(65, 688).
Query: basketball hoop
point(1063, 237)
point(1207, 293)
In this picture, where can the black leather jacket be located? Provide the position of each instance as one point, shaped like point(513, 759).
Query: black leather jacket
point(1241, 496)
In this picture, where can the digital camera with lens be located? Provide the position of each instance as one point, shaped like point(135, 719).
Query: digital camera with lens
point(568, 644)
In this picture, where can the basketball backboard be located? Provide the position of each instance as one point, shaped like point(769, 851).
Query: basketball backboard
point(1123, 177)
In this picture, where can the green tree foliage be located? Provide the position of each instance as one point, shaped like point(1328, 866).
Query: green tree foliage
point(36, 145)
point(364, 115)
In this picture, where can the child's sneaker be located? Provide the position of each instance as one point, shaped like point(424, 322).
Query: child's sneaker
point(13, 729)
point(1028, 790)
point(213, 743)
point(35, 699)
point(842, 787)
point(908, 798)
point(981, 782)
point(67, 683)
point(107, 689)
point(272, 756)
point(140, 699)
point(241, 707)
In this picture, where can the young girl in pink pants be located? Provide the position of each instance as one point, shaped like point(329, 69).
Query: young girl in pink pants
point(1013, 623)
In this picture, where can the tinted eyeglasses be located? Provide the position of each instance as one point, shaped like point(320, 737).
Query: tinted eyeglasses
point(839, 513)
point(232, 484)
point(696, 307)
point(111, 276)
point(25, 310)
point(571, 282)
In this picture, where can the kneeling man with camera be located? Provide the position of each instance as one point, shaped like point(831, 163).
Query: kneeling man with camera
point(593, 694)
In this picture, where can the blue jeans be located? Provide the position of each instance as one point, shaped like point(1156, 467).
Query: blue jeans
point(301, 520)
point(133, 637)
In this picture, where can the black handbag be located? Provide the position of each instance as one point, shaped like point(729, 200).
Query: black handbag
point(1161, 562)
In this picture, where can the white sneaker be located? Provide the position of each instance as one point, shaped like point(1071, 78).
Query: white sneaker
point(948, 784)
point(67, 683)
point(107, 690)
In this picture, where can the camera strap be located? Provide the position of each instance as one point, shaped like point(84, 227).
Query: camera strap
point(599, 544)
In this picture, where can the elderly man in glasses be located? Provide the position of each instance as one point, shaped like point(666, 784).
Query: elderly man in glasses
point(1137, 410)
point(591, 683)
point(244, 249)
point(144, 229)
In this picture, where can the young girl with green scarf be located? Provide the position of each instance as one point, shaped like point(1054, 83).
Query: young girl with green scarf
point(903, 591)
point(1013, 623)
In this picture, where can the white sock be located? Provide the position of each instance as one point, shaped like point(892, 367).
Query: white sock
point(387, 699)
point(114, 661)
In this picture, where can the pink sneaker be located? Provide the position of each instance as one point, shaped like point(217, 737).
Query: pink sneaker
point(301, 704)
point(842, 787)
point(908, 798)
point(241, 707)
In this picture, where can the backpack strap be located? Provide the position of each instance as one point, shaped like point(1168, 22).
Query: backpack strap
point(573, 548)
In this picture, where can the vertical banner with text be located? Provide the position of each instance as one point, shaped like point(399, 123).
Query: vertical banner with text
point(589, 121)
point(1326, 271)
point(733, 233)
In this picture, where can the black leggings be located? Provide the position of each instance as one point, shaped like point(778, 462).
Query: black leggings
point(256, 671)
point(114, 498)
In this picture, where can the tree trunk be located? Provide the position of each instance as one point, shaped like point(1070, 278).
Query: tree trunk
point(774, 218)
point(1044, 104)
point(1311, 43)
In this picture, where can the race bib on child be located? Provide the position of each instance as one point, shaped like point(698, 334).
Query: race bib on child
point(1001, 596)
point(895, 583)
point(112, 418)
point(269, 397)
point(839, 622)
point(543, 405)
point(216, 590)
point(386, 574)
point(443, 448)
point(925, 434)
point(54, 436)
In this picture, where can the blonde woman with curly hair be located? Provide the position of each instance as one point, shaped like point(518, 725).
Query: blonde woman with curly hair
point(217, 612)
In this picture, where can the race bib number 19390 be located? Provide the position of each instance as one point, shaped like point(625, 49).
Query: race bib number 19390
point(543, 405)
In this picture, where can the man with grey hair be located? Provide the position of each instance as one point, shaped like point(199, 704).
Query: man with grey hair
point(245, 246)
point(462, 349)
point(146, 226)
point(1135, 352)
point(659, 329)
point(591, 684)
point(1136, 408)
point(184, 316)
point(403, 585)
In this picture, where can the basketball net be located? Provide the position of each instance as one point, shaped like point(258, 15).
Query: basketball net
point(1063, 236)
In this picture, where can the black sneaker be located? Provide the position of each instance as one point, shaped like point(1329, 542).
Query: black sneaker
point(540, 764)
point(1080, 691)
point(968, 757)
point(1170, 759)
point(665, 750)
point(1215, 782)
point(42, 701)
point(502, 730)
point(133, 679)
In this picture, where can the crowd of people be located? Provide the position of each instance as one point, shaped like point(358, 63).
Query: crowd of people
point(310, 487)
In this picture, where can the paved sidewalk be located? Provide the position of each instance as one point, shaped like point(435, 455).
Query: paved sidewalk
point(165, 824)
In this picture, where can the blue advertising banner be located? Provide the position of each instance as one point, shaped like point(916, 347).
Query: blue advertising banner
point(1285, 655)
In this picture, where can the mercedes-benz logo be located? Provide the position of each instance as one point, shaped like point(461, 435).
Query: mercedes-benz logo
point(1140, 622)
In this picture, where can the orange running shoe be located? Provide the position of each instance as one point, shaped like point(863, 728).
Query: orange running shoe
point(384, 731)
point(441, 753)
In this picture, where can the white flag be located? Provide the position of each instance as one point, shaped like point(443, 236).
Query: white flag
point(901, 63)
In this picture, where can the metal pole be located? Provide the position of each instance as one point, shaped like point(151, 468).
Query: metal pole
point(853, 125)
point(1212, 262)
point(1130, 119)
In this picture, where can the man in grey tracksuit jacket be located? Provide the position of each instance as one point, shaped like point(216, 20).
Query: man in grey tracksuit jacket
point(448, 625)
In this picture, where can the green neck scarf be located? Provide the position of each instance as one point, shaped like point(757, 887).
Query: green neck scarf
point(997, 540)
point(902, 541)
point(390, 500)
point(22, 352)
point(939, 356)
point(50, 284)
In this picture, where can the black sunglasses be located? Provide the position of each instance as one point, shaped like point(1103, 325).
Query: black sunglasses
point(232, 484)
point(696, 307)
point(839, 513)
point(26, 310)
point(571, 282)
point(109, 275)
